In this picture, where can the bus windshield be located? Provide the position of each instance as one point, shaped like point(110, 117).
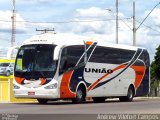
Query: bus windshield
point(35, 61)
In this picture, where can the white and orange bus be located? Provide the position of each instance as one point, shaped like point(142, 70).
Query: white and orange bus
point(52, 66)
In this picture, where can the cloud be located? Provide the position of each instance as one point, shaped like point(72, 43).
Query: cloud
point(92, 21)
point(105, 30)
point(49, 1)
point(99, 30)
point(93, 12)
point(6, 24)
point(154, 15)
point(100, 22)
point(2, 1)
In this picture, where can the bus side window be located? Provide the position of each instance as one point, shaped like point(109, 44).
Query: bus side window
point(66, 62)
point(63, 62)
point(70, 56)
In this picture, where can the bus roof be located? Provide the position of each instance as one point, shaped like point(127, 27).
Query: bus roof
point(66, 39)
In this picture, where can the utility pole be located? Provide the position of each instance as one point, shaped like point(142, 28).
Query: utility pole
point(134, 25)
point(116, 21)
point(13, 17)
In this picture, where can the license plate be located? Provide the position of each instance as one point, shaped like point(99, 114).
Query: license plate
point(31, 93)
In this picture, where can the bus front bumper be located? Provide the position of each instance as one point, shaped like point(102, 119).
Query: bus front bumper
point(45, 93)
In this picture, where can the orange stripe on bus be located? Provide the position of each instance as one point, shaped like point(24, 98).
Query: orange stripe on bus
point(140, 71)
point(42, 81)
point(19, 80)
point(101, 78)
point(89, 43)
point(64, 87)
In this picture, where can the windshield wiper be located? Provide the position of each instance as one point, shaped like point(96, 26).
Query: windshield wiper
point(42, 74)
point(23, 72)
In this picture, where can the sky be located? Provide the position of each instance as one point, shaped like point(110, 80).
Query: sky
point(92, 18)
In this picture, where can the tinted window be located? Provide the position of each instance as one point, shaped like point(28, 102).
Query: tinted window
point(126, 55)
point(35, 61)
point(70, 56)
point(97, 55)
point(111, 55)
point(4, 64)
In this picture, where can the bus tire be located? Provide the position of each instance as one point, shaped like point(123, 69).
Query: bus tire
point(129, 97)
point(99, 99)
point(80, 96)
point(42, 101)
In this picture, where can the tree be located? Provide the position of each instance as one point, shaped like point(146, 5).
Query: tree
point(154, 80)
point(155, 71)
point(157, 62)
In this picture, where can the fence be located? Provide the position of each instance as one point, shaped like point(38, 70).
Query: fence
point(6, 93)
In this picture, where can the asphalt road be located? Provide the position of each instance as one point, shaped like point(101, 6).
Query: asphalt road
point(110, 106)
point(60, 110)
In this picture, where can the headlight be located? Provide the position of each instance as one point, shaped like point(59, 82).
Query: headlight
point(15, 86)
point(52, 86)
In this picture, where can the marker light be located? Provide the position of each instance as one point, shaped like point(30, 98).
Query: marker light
point(52, 86)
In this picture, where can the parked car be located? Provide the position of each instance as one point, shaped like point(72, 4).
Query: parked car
point(6, 69)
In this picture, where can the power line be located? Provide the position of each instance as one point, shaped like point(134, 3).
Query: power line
point(4, 39)
point(119, 18)
point(122, 19)
point(148, 27)
point(147, 15)
point(71, 21)
point(125, 23)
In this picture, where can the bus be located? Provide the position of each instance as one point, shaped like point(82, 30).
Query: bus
point(58, 66)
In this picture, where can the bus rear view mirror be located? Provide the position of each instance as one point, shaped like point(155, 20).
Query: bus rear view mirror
point(56, 52)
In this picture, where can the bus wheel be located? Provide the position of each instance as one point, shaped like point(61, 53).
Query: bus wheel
point(99, 99)
point(42, 101)
point(129, 96)
point(80, 96)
